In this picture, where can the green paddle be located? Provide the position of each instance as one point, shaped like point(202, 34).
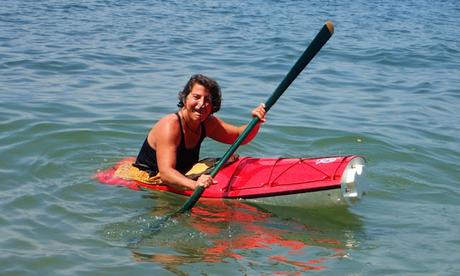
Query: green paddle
point(318, 42)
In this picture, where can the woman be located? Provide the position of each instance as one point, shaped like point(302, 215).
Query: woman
point(173, 144)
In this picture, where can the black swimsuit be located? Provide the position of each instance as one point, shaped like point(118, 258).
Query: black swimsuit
point(185, 158)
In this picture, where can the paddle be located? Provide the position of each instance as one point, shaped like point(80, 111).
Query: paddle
point(318, 42)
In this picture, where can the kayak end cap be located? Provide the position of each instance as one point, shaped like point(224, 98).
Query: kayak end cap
point(352, 189)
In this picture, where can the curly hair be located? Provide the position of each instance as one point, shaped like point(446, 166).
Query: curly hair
point(211, 86)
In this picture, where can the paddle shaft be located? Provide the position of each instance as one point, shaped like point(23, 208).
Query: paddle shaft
point(318, 42)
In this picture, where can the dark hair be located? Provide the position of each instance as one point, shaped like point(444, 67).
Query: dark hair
point(210, 85)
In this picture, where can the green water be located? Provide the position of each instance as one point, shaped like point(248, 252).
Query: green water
point(81, 83)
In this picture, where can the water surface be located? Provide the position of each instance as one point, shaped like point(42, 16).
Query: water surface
point(82, 82)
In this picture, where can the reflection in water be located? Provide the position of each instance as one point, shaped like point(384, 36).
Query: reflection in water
point(237, 234)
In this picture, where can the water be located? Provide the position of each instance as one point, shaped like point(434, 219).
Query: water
point(81, 82)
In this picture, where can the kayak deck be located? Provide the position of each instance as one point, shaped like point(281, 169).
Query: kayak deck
point(285, 181)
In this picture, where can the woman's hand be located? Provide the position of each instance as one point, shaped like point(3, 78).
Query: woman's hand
point(259, 112)
point(205, 180)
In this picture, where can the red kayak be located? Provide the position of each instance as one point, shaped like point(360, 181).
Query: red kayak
point(297, 182)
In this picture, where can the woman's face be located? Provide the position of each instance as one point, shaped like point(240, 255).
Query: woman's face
point(198, 103)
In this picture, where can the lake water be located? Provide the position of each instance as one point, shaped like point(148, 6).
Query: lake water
point(81, 82)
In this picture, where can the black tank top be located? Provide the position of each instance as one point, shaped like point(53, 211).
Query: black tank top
point(185, 158)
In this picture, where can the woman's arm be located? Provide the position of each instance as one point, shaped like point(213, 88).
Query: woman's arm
point(223, 132)
point(166, 138)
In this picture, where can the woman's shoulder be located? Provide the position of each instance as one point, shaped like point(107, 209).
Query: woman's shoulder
point(213, 123)
point(168, 121)
point(172, 117)
point(212, 119)
point(167, 126)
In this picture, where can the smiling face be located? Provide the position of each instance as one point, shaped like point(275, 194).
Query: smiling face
point(210, 86)
point(198, 104)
